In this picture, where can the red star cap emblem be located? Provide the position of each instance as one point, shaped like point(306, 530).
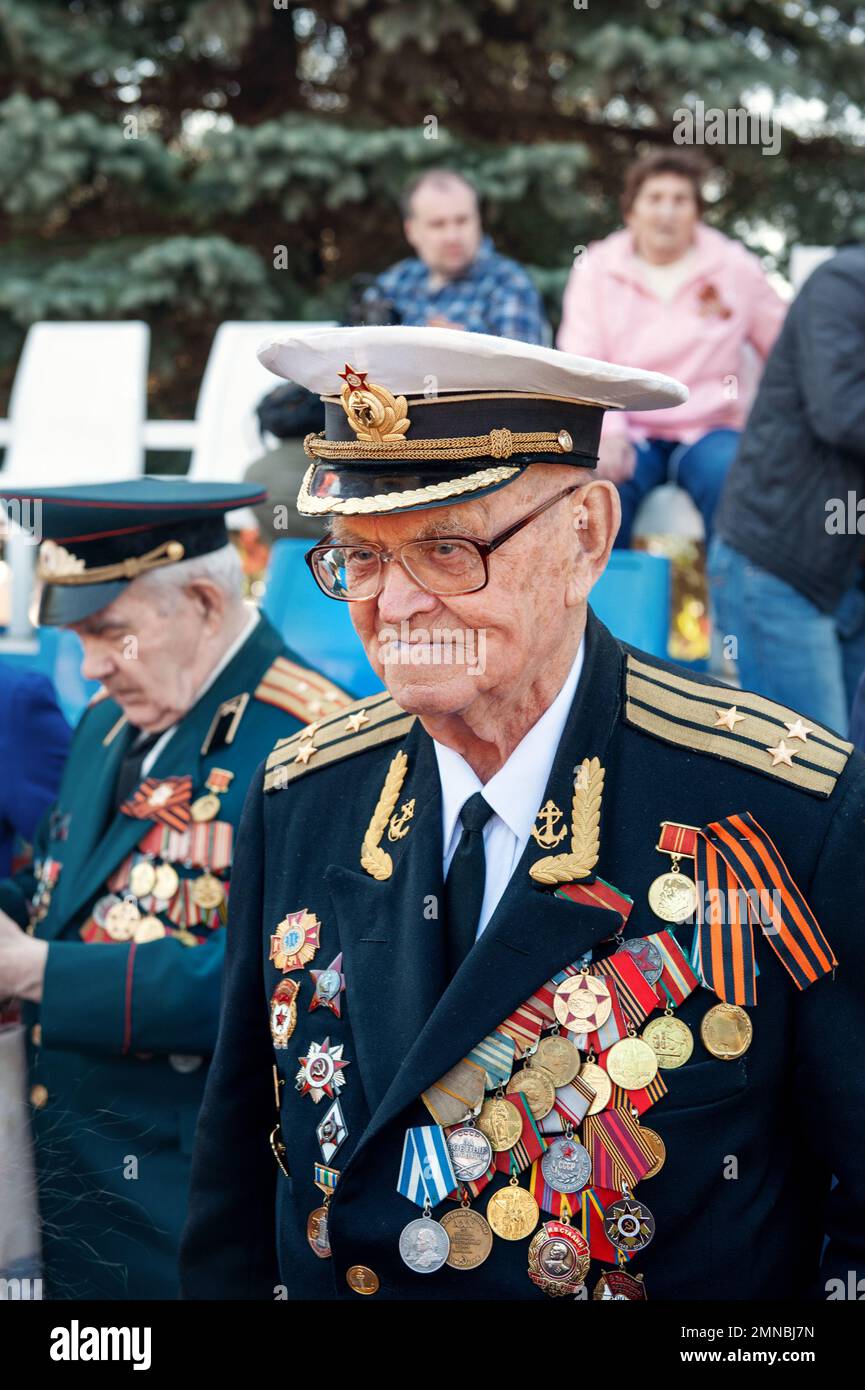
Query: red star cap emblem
point(355, 381)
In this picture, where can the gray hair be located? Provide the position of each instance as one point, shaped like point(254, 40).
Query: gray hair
point(222, 567)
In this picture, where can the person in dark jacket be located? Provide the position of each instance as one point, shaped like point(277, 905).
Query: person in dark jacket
point(34, 742)
point(786, 562)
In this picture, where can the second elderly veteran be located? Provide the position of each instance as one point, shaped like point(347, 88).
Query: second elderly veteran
point(121, 960)
point(532, 962)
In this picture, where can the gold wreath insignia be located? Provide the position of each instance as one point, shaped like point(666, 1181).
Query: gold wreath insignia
point(585, 830)
point(373, 858)
point(375, 415)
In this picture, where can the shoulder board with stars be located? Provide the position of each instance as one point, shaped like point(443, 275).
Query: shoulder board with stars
point(733, 724)
point(300, 691)
point(363, 724)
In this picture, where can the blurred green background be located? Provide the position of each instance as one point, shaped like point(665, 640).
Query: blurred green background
point(191, 162)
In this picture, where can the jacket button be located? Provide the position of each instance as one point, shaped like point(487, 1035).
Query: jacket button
point(36, 1035)
point(38, 1096)
point(362, 1280)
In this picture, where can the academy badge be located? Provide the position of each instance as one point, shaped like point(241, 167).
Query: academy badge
point(295, 941)
point(283, 1012)
point(332, 1132)
point(321, 1071)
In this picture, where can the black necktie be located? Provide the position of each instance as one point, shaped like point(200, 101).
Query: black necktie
point(129, 774)
point(464, 885)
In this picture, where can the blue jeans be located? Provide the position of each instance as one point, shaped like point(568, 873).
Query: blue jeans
point(700, 468)
point(786, 648)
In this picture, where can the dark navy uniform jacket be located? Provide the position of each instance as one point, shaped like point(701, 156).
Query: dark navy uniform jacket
point(119, 1046)
point(790, 1113)
point(34, 741)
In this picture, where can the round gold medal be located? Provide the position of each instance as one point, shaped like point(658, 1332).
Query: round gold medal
point(559, 1057)
point(120, 920)
point(582, 1003)
point(632, 1063)
point(142, 878)
point(167, 882)
point(148, 929)
point(513, 1212)
point(500, 1121)
point(538, 1088)
point(658, 1148)
point(470, 1237)
point(597, 1078)
point(673, 897)
point(671, 1040)
point(207, 891)
point(205, 807)
point(726, 1031)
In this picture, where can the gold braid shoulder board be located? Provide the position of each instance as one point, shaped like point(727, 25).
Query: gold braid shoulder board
point(585, 830)
point(299, 691)
point(680, 710)
point(360, 725)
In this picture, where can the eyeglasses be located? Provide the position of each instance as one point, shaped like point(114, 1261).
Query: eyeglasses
point(442, 565)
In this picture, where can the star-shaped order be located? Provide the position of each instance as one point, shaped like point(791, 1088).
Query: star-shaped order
point(305, 752)
point(321, 1071)
point(355, 380)
point(355, 722)
point(797, 730)
point(782, 754)
point(728, 718)
point(328, 991)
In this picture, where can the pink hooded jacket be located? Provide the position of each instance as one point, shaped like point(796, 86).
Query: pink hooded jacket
point(609, 312)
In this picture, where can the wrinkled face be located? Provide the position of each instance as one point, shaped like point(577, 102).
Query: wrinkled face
point(439, 655)
point(663, 216)
point(143, 648)
point(444, 227)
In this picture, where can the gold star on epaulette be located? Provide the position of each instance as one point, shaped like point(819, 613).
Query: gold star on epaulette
point(755, 732)
point(782, 754)
point(362, 725)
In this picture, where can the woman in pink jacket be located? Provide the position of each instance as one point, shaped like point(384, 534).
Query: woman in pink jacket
point(672, 295)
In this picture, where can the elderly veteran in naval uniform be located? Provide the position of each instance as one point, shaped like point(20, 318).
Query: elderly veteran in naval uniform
point(116, 942)
point(545, 971)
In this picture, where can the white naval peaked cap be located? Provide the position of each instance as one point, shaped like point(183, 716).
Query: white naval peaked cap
point(419, 417)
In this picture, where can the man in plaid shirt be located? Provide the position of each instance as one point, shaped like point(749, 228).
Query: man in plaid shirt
point(457, 279)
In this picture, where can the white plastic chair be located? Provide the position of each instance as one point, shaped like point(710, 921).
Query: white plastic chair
point(76, 415)
point(804, 260)
point(78, 405)
point(227, 438)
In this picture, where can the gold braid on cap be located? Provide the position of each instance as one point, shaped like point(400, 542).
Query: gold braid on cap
point(498, 444)
point(308, 505)
point(58, 566)
point(380, 420)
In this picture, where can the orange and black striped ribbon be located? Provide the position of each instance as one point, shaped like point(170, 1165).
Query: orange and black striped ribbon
point(742, 881)
point(164, 799)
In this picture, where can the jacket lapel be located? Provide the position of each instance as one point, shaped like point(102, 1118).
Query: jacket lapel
point(180, 755)
point(390, 933)
point(532, 934)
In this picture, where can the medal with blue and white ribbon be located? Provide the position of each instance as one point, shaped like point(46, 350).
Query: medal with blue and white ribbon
point(426, 1176)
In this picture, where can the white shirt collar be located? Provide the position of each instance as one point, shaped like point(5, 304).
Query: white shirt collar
point(515, 791)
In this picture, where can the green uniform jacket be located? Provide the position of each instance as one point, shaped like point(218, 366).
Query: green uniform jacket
point(120, 1043)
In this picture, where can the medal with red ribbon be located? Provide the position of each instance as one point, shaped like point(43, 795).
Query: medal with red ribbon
point(743, 882)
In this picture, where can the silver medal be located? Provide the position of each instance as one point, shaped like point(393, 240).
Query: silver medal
point(471, 1153)
point(566, 1165)
point(424, 1245)
point(648, 958)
